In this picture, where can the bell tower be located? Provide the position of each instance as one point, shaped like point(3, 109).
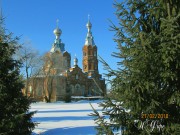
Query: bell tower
point(90, 62)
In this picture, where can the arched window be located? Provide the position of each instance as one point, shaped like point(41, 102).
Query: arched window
point(39, 91)
point(89, 92)
point(89, 66)
point(30, 89)
point(65, 63)
point(84, 53)
point(78, 89)
point(72, 88)
point(94, 53)
point(77, 77)
point(83, 90)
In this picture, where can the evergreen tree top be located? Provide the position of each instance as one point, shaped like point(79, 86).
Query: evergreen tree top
point(147, 81)
point(15, 118)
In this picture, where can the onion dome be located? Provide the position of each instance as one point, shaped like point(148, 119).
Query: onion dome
point(57, 45)
point(57, 32)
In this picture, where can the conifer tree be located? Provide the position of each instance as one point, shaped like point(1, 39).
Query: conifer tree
point(15, 118)
point(146, 85)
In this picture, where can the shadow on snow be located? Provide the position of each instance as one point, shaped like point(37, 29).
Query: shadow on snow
point(53, 111)
point(89, 130)
point(41, 119)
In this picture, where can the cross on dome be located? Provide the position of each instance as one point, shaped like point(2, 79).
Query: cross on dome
point(57, 31)
point(88, 17)
point(57, 23)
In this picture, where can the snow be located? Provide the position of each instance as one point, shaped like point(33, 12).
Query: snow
point(64, 118)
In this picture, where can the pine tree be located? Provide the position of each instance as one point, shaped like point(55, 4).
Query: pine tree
point(146, 85)
point(15, 118)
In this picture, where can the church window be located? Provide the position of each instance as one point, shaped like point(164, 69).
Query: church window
point(77, 77)
point(39, 91)
point(72, 89)
point(92, 66)
point(84, 53)
point(89, 66)
point(89, 92)
point(30, 88)
point(83, 90)
point(90, 52)
point(77, 88)
point(65, 63)
point(94, 53)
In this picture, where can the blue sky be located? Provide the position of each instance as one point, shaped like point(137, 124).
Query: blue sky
point(35, 20)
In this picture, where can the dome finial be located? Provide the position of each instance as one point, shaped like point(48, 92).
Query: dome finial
point(75, 61)
point(88, 17)
point(89, 25)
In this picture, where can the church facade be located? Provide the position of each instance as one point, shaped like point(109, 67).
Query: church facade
point(58, 78)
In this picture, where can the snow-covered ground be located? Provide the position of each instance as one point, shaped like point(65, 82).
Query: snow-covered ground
point(64, 118)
